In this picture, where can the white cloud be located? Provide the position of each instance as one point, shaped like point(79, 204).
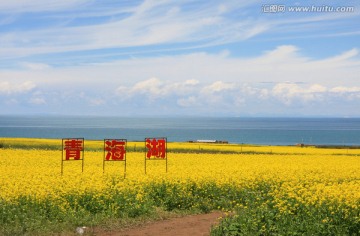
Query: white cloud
point(166, 23)
point(159, 50)
point(289, 93)
point(37, 101)
point(218, 86)
point(196, 68)
point(350, 93)
point(229, 97)
point(185, 94)
point(18, 6)
point(25, 87)
point(247, 90)
point(316, 88)
point(153, 88)
point(286, 65)
point(150, 23)
point(292, 93)
point(134, 26)
point(191, 82)
point(343, 89)
point(11, 88)
point(97, 102)
point(11, 102)
point(282, 54)
point(190, 101)
point(198, 81)
point(35, 66)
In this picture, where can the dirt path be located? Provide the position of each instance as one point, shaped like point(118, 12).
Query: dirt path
point(194, 225)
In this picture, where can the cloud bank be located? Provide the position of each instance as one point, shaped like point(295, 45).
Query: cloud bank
point(177, 58)
point(278, 82)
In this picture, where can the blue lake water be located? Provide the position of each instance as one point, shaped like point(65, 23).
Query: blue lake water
point(269, 131)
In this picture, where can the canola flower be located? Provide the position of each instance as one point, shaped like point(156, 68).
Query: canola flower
point(287, 178)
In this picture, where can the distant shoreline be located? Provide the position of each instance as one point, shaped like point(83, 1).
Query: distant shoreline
point(25, 142)
point(257, 131)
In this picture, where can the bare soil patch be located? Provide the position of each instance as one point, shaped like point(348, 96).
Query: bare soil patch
point(194, 225)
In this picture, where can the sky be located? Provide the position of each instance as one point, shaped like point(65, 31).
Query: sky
point(283, 58)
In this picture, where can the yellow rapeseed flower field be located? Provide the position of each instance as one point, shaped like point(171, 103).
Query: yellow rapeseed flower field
point(293, 177)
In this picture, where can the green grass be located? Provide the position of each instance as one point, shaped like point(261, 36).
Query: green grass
point(259, 216)
point(30, 216)
point(254, 211)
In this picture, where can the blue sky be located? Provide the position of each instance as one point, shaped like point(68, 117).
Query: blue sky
point(171, 58)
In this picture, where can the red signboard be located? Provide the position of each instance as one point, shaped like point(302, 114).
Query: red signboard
point(155, 149)
point(115, 150)
point(72, 149)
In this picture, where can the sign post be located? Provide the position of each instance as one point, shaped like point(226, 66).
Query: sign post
point(115, 150)
point(155, 149)
point(72, 150)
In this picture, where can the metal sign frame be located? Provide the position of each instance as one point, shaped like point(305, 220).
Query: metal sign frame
point(114, 141)
point(73, 148)
point(155, 158)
